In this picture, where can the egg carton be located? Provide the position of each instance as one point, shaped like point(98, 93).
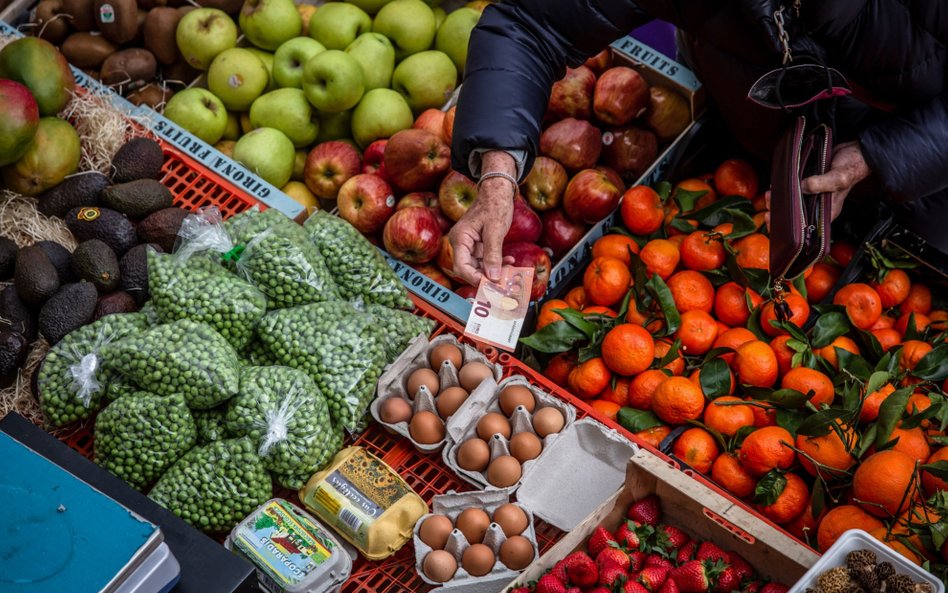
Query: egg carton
point(451, 505)
point(463, 425)
point(393, 381)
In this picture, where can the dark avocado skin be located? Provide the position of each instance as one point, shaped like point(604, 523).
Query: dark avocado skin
point(68, 310)
point(35, 277)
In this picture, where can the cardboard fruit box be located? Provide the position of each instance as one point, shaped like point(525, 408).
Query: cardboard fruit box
point(700, 512)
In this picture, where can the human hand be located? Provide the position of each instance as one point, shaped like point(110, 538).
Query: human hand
point(847, 169)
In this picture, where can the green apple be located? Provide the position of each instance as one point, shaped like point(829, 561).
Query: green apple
point(434, 3)
point(426, 80)
point(299, 165)
point(202, 34)
point(370, 6)
point(379, 114)
point(267, 59)
point(334, 126)
point(269, 23)
point(333, 81)
point(268, 153)
point(409, 24)
point(286, 110)
point(232, 130)
point(440, 15)
point(289, 59)
point(198, 111)
point(375, 54)
point(454, 35)
point(237, 77)
point(337, 24)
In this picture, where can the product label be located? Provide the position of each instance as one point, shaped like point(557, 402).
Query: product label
point(106, 14)
point(287, 547)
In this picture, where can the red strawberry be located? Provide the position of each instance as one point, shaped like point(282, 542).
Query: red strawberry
point(636, 560)
point(550, 584)
point(633, 587)
point(671, 538)
point(657, 560)
point(520, 590)
point(727, 581)
point(627, 537)
point(774, 588)
point(599, 541)
point(600, 590)
point(613, 556)
point(653, 577)
point(710, 551)
point(647, 511)
point(686, 552)
point(670, 586)
point(560, 568)
point(610, 575)
point(744, 569)
point(691, 577)
point(583, 570)
point(574, 590)
point(752, 587)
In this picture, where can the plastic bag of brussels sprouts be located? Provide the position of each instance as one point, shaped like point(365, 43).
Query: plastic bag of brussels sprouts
point(286, 416)
point(339, 347)
point(399, 327)
point(358, 267)
point(72, 380)
point(183, 357)
point(139, 436)
point(216, 485)
point(210, 425)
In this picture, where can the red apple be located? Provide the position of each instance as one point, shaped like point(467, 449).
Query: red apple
point(412, 235)
point(366, 202)
point(432, 271)
point(416, 159)
point(600, 62)
point(456, 195)
point(447, 131)
point(328, 166)
point(528, 255)
point(372, 158)
point(544, 185)
point(424, 199)
point(613, 176)
point(572, 95)
point(431, 120)
point(19, 119)
point(621, 95)
point(560, 233)
point(445, 259)
point(590, 196)
point(630, 151)
point(525, 226)
point(466, 291)
point(575, 143)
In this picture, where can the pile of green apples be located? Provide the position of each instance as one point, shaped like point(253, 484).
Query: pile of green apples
point(355, 71)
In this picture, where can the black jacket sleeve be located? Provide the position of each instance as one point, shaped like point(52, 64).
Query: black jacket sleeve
point(516, 53)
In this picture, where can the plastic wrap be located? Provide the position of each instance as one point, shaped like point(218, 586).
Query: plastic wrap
point(211, 425)
point(399, 328)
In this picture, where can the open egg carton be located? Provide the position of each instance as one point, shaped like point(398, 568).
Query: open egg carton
point(424, 387)
point(474, 542)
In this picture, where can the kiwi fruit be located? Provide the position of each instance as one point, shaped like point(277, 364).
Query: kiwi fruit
point(140, 31)
point(51, 22)
point(150, 95)
point(87, 50)
point(160, 26)
point(228, 6)
point(180, 73)
point(116, 19)
point(83, 18)
point(129, 69)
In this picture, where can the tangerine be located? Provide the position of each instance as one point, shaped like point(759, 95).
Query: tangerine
point(641, 210)
point(733, 339)
point(692, 291)
point(894, 288)
point(660, 256)
point(888, 338)
point(697, 185)
point(883, 484)
point(696, 332)
point(628, 349)
point(790, 503)
point(821, 282)
point(655, 435)
point(642, 388)
point(912, 352)
point(733, 304)
point(576, 298)
point(677, 365)
point(799, 313)
point(840, 520)
point(753, 251)
point(871, 404)
point(606, 281)
point(727, 418)
point(828, 352)
point(842, 253)
point(618, 246)
point(827, 454)
point(920, 321)
point(587, 379)
point(765, 414)
point(702, 251)
point(766, 449)
point(735, 177)
point(548, 312)
point(559, 367)
point(806, 380)
point(729, 473)
point(617, 391)
point(784, 354)
point(863, 305)
point(599, 310)
point(919, 300)
point(912, 442)
point(606, 408)
point(930, 482)
point(756, 364)
point(697, 448)
point(677, 400)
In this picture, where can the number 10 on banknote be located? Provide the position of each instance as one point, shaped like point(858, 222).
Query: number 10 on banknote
point(500, 307)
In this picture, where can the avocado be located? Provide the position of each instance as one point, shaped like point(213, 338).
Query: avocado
point(15, 315)
point(116, 302)
point(8, 251)
point(104, 224)
point(74, 192)
point(60, 258)
point(35, 276)
point(133, 271)
point(13, 350)
point(162, 227)
point(67, 310)
point(137, 199)
point(139, 158)
point(95, 262)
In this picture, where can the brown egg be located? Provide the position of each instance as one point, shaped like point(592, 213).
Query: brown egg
point(525, 446)
point(548, 421)
point(472, 374)
point(478, 560)
point(435, 531)
point(491, 424)
point(474, 455)
point(516, 553)
point(443, 352)
point(450, 400)
point(425, 377)
point(511, 519)
point(426, 428)
point(473, 523)
point(440, 566)
point(516, 395)
point(395, 410)
point(504, 471)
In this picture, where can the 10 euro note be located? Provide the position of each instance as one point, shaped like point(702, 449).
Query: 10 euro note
point(500, 307)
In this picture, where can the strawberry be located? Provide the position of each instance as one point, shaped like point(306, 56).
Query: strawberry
point(550, 584)
point(613, 556)
point(633, 587)
point(627, 537)
point(752, 587)
point(774, 588)
point(727, 581)
point(583, 570)
point(686, 552)
point(574, 590)
point(636, 560)
point(658, 560)
point(653, 577)
point(561, 568)
point(600, 590)
point(520, 590)
point(710, 551)
point(647, 511)
point(671, 538)
point(599, 541)
point(670, 586)
point(611, 575)
point(744, 569)
point(691, 577)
